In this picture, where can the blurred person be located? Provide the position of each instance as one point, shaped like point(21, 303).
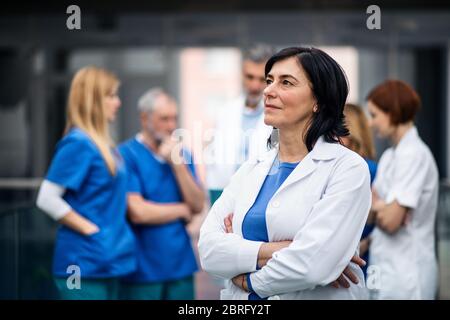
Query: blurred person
point(85, 191)
point(290, 221)
point(163, 194)
point(240, 129)
point(360, 140)
point(405, 198)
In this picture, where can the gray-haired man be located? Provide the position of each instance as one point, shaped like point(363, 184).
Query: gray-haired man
point(163, 193)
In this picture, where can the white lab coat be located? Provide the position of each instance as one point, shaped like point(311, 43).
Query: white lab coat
point(406, 260)
point(224, 155)
point(322, 206)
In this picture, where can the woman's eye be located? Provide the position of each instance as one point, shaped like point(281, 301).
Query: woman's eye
point(287, 83)
point(268, 81)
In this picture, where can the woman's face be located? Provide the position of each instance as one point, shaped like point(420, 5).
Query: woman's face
point(380, 121)
point(288, 97)
point(112, 104)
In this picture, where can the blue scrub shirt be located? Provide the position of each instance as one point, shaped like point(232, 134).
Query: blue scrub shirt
point(254, 226)
point(101, 198)
point(164, 251)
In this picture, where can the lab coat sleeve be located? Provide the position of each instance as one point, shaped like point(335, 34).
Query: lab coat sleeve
point(226, 254)
point(325, 244)
point(409, 179)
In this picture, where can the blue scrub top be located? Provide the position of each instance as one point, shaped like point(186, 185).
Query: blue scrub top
point(372, 169)
point(164, 251)
point(254, 226)
point(101, 198)
point(368, 228)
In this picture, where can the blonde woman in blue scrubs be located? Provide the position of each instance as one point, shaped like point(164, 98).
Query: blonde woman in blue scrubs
point(85, 191)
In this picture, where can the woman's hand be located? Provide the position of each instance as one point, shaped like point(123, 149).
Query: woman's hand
point(79, 223)
point(377, 203)
point(349, 274)
point(241, 282)
point(364, 245)
point(267, 249)
point(91, 229)
point(228, 222)
point(185, 212)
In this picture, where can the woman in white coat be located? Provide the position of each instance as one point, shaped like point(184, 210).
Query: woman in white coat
point(298, 211)
point(402, 248)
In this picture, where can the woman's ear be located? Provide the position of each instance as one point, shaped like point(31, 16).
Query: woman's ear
point(315, 108)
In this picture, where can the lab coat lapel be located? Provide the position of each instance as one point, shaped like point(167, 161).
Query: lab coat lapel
point(253, 184)
point(321, 151)
point(303, 169)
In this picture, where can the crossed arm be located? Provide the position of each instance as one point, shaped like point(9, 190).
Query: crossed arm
point(388, 217)
point(267, 250)
point(228, 255)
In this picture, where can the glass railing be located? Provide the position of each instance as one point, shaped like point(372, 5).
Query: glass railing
point(26, 245)
point(27, 238)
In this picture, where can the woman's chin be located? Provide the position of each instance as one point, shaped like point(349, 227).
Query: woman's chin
point(269, 121)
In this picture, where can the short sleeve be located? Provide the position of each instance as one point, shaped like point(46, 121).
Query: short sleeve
point(409, 178)
point(133, 185)
point(71, 162)
point(133, 182)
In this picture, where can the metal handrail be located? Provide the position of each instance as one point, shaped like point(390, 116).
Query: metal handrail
point(20, 183)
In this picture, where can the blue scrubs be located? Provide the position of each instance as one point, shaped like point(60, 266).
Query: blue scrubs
point(101, 198)
point(254, 226)
point(368, 228)
point(164, 251)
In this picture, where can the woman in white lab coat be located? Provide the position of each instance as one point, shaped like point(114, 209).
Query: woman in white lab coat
point(299, 210)
point(402, 248)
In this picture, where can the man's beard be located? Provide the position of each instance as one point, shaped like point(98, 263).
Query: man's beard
point(158, 137)
point(252, 99)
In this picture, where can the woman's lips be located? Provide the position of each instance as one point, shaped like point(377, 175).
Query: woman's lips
point(270, 106)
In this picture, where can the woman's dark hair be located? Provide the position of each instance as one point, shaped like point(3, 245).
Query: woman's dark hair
point(329, 87)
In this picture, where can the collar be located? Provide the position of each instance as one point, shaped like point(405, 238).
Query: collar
point(140, 139)
point(322, 151)
point(410, 136)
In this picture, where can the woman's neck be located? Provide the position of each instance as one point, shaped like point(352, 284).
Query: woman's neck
point(292, 146)
point(400, 132)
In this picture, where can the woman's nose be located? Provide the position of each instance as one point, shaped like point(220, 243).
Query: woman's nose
point(269, 91)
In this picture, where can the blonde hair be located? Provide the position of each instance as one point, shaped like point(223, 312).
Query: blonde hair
point(360, 134)
point(86, 109)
